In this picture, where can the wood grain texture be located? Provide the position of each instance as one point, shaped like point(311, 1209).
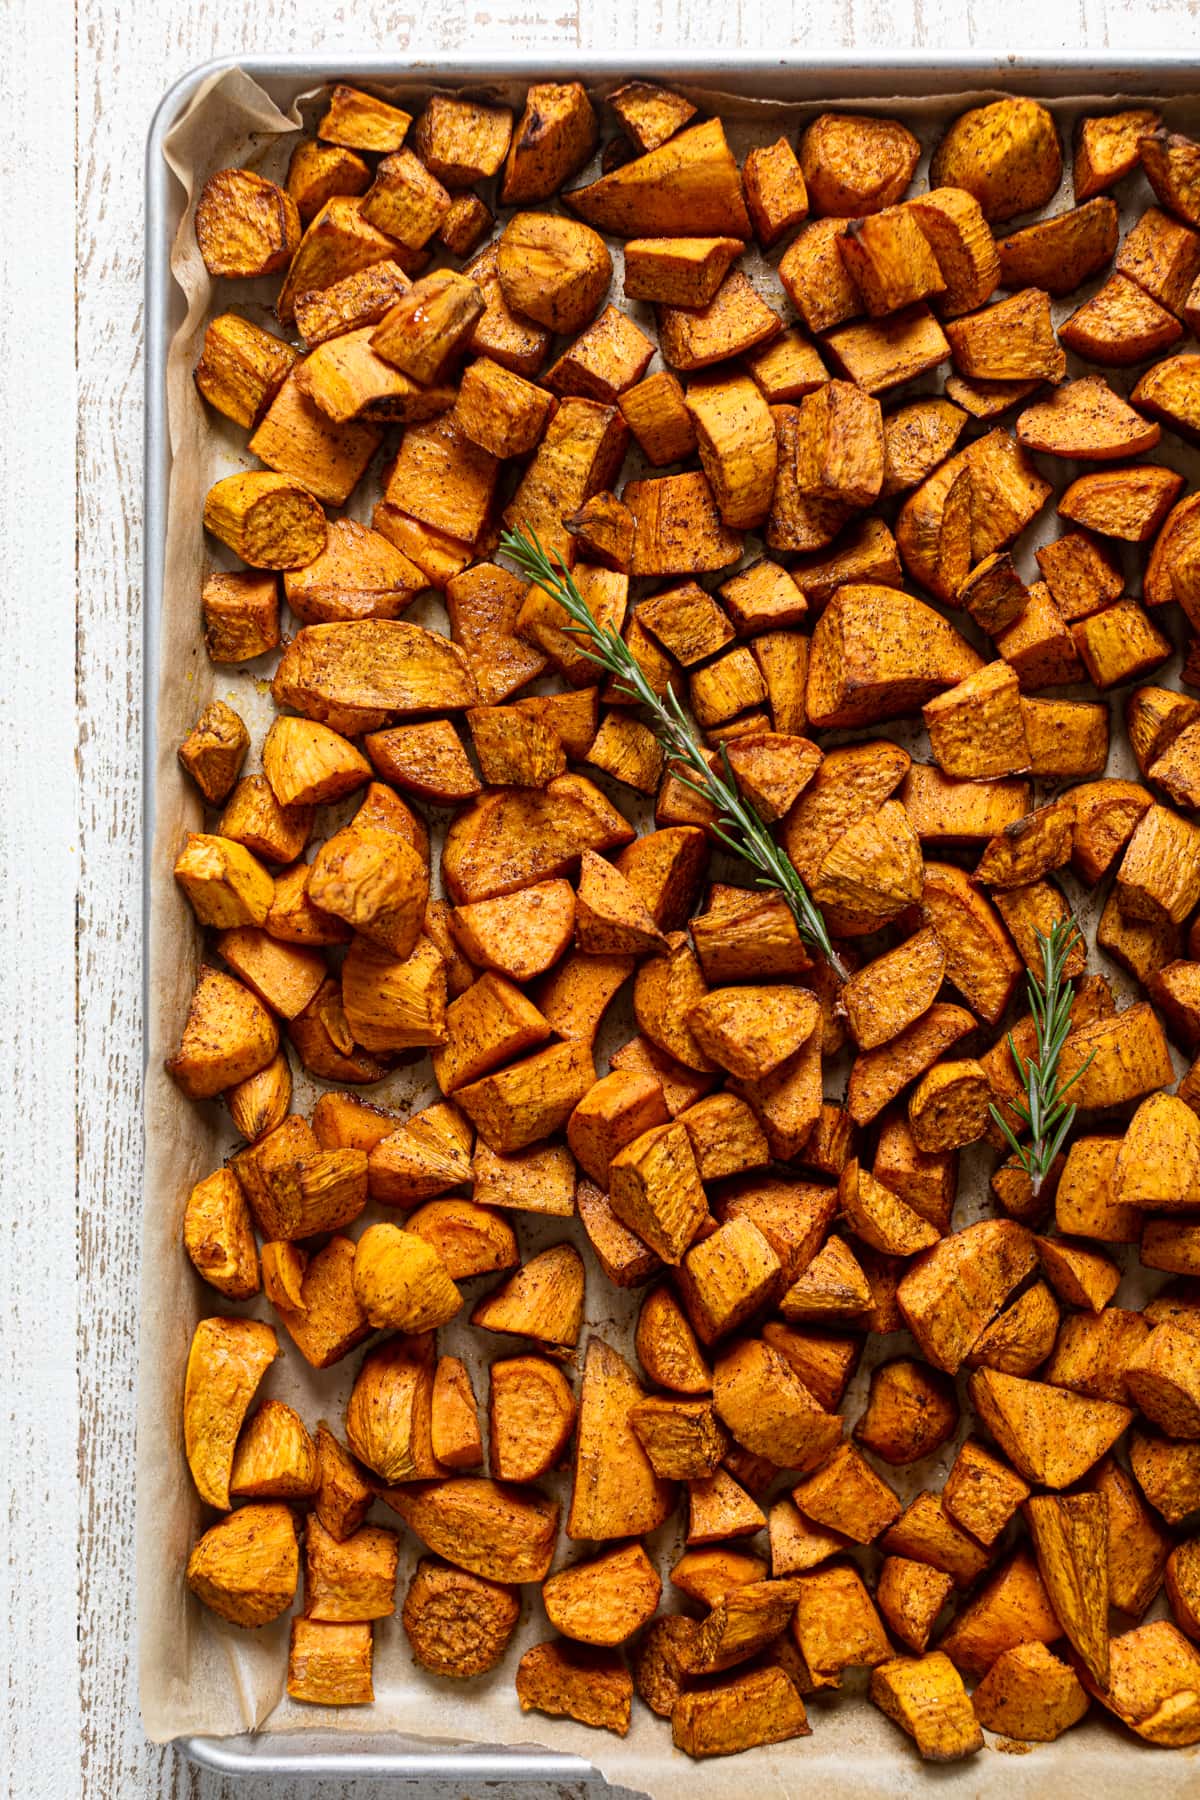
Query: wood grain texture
point(71, 813)
point(38, 837)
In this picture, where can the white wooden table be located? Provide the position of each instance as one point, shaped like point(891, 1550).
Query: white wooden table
point(78, 82)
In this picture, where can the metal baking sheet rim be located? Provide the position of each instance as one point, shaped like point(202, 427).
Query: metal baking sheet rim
point(907, 73)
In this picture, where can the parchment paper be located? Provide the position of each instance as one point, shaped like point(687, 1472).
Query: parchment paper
point(200, 1676)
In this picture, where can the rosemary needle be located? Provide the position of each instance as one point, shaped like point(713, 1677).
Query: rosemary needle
point(738, 825)
point(1043, 1108)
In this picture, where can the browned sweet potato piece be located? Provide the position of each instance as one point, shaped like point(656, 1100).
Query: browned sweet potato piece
point(1163, 1380)
point(981, 1493)
point(1183, 1586)
point(877, 653)
point(689, 185)
point(959, 1286)
point(245, 224)
point(576, 1681)
point(887, 352)
point(917, 438)
point(603, 1601)
point(1011, 341)
point(219, 1236)
point(275, 1457)
point(911, 1412)
point(682, 1438)
point(1086, 420)
point(927, 1533)
point(1059, 253)
point(510, 840)
point(1022, 1337)
point(890, 261)
point(1105, 815)
point(1007, 155)
point(650, 114)
point(330, 1664)
point(1070, 1537)
point(471, 1239)
point(976, 728)
point(542, 1300)
point(314, 1297)
point(878, 1218)
point(659, 1671)
point(349, 1579)
point(655, 1189)
point(1012, 1608)
point(658, 417)
point(458, 1624)
point(426, 1155)
point(797, 1544)
point(927, 1699)
point(226, 1362)
point(1122, 503)
point(910, 1595)
point(1081, 575)
point(317, 172)
point(401, 1282)
point(979, 957)
point(879, 1075)
point(531, 1411)
point(727, 1276)
point(836, 1626)
point(1154, 1685)
point(500, 1533)
point(769, 1410)
point(1052, 1436)
point(759, 1707)
point(775, 191)
point(616, 1492)
point(1119, 325)
point(735, 321)
point(854, 164)
point(228, 1036)
point(847, 1496)
point(1167, 1471)
point(454, 1421)
point(667, 1348)
point(1172, 166)
point(1106, 148)
point(245, 1567)
point(389, 1411)
point(1030, 1695)
point(1086, 1202)
point(893, 991)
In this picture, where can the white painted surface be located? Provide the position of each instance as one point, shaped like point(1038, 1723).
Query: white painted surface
point(78, 83)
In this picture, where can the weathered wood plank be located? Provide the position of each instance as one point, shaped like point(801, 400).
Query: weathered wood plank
point(38, 859)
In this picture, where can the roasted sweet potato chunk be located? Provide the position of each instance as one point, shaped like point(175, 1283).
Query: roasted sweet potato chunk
point(689, 185)
point(500, 1533)
point(1007, 155)
point(1086, 420)
point(927, 1699)
point(245, 1567)
point(616, 1492)
point(1030, 1695)
point(854, 164)
point(458, 1624)
point(1154, 1684)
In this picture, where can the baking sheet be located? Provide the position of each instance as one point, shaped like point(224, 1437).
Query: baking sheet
point(199, 1675)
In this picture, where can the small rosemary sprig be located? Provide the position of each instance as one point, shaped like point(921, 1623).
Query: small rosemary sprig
point(1044, 1109)
point(738, 825)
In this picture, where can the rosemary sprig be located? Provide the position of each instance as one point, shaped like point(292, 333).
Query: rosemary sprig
point(1044, 1110)
point(738, 825)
